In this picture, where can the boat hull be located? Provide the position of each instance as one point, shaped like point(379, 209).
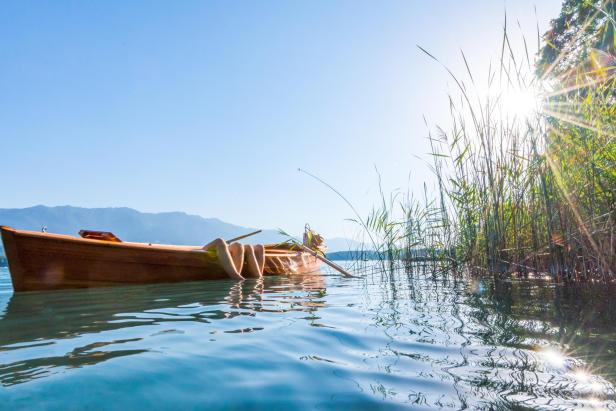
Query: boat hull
point(41, 261)
point(283, 259)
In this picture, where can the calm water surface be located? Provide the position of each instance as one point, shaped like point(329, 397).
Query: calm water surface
point(313, 342)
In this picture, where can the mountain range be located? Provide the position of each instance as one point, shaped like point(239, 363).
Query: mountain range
point(132, 225)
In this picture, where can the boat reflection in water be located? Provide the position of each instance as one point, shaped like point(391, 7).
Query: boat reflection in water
point(43, 333)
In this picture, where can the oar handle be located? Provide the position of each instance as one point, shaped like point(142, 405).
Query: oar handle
point(326, 261)
point(243, 236)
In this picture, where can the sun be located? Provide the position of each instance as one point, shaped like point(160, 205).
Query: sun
point(520, 102)
point(516, 102)
point(513, 102)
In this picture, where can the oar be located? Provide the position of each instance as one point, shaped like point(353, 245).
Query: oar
point(325, 260)
point(243, 236)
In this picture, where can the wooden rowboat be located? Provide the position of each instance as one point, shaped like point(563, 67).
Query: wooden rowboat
point(45, 261)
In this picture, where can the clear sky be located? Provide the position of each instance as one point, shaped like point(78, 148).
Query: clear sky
point(210, 107)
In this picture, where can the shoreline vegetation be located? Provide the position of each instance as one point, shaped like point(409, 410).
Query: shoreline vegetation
point(526, 173)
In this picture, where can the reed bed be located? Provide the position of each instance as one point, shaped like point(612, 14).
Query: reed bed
point(523, 187)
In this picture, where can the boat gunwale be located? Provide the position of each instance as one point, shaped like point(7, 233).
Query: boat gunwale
point(89, 241)
point(277, 250)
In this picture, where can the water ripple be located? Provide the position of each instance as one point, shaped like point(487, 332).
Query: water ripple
point(313, 342)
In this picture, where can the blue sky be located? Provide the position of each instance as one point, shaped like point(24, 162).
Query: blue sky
point(210, 107)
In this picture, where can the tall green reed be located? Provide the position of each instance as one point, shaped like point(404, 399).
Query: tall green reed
point(518, 191)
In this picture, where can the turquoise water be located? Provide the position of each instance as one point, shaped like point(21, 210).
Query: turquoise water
point(315, 343)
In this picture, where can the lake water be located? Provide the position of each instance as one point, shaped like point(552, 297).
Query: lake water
point(314, 342)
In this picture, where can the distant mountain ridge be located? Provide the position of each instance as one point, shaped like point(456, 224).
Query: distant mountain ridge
point(132, 225)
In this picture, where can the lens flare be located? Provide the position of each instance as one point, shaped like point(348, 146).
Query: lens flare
point(582, 375)
point(553, 357)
